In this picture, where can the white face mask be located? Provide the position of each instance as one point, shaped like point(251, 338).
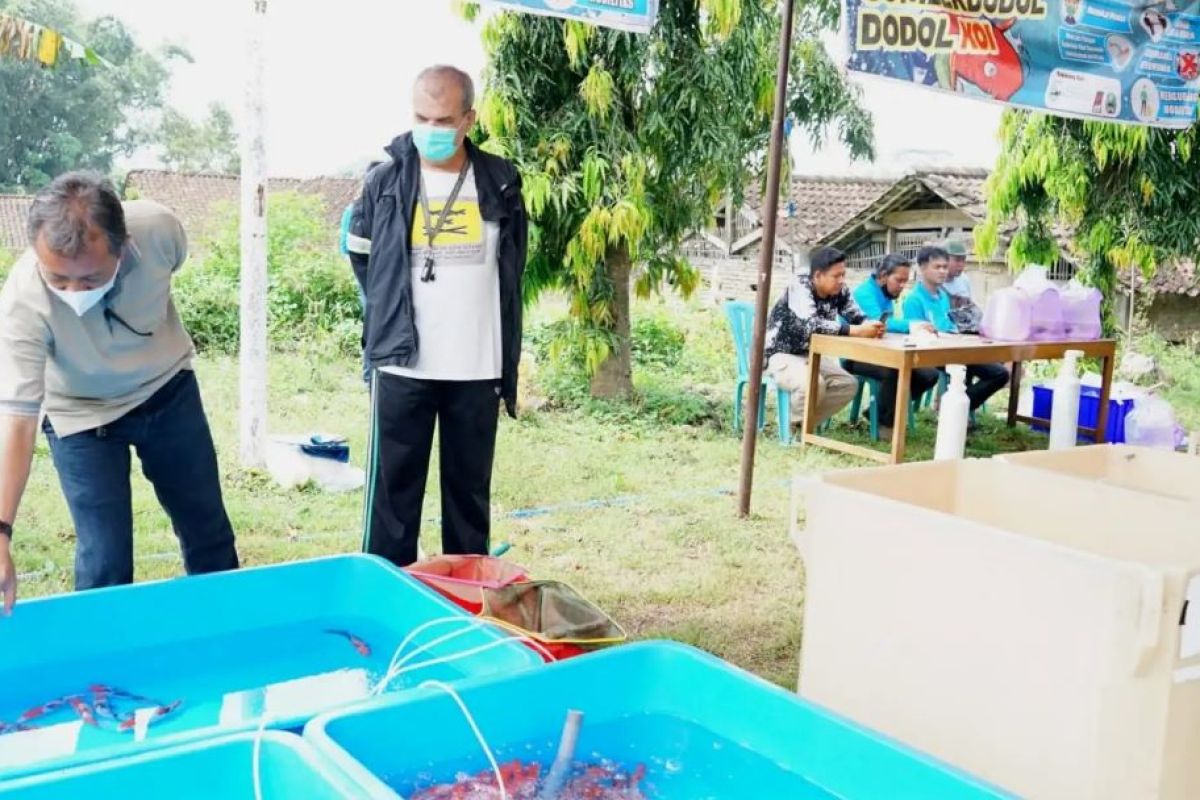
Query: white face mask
point(83, 302)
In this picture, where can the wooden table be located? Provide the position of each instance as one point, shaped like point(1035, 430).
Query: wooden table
point(892, 351)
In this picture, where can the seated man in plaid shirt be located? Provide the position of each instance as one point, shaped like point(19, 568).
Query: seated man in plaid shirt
point(819, 302)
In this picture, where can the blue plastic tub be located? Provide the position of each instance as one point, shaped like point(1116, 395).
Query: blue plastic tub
point(1089, 411)
point(287, 641)
point(701, 728)
point(220, 768)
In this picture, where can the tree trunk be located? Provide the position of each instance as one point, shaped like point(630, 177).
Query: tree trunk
point(253, 351)
point(614, 379)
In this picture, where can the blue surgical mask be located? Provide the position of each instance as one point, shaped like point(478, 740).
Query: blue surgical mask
point(434, 143)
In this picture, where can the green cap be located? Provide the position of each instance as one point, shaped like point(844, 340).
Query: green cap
point(955, 247)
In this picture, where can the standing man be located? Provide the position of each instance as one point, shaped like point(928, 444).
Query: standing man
point(89, 334)
point(929, 301)
point(441, 231)
point(815, 303)
point(876, 296)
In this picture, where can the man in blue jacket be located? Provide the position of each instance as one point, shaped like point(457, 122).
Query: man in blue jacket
point(876, 296)
point(439, 237)
point(929, 301)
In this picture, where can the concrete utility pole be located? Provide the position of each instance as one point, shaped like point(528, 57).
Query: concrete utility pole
point(253, 355)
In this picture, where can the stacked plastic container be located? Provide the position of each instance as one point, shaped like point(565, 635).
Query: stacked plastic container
point(1035, 620)
point(1035, 309)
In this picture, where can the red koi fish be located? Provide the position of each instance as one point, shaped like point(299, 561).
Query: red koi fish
point(40, 711)
point(602, 783)
point(358, 644)
point(83, 710)
point(130, 722)
point(102, 702)
point(100, 708)
point(999, 75)
point(521, 782)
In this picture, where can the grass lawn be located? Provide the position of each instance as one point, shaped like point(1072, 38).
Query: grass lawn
point(636, 512)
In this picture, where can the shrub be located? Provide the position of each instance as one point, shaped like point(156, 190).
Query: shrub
point(311, 289)
point(656, 341)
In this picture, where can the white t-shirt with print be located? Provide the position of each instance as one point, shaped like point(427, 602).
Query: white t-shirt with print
point(458, 313)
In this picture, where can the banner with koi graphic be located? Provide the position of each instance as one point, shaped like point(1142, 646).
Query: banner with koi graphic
point(637, 16)
point(1113, 60)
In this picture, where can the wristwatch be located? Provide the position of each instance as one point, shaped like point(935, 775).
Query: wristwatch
point(6, 530)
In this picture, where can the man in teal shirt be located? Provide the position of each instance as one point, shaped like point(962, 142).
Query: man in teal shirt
point(930, 302)
point(876, 296)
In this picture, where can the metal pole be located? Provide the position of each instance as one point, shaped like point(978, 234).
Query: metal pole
point(767, 262)
point(253, 355)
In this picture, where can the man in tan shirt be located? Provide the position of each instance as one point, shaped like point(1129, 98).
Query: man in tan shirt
point(89, 334)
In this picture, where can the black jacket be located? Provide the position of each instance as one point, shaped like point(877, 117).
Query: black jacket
point(384, 217)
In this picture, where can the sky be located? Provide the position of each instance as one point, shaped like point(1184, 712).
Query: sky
point(339, 83)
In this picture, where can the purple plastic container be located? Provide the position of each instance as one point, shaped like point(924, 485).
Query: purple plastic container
point(1152, 424)
point(1081, 312)
point(1008, 317)
point(1048, 323)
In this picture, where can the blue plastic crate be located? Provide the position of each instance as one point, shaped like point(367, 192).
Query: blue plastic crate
point(229, 647)
point(220, 768)
point(701, 727)
point(1089, 411)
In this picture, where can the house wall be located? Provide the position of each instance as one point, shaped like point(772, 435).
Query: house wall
point(987, 278)
point(1175, 317)
point(734, 278)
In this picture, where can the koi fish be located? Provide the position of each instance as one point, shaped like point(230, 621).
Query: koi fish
point(40, 711)
point(130, 722)
point(100, 708)
point(102, 703)
point(83, 710)
point(999, 75)
point(102, 697)
point(521, 782)
point(1188, 66)
point(358, 644)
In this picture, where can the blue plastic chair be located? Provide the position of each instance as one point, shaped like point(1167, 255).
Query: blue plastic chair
point(741, 323)
point(941, 389)
point(873, 408)
point(937, 391)
point(344, 231)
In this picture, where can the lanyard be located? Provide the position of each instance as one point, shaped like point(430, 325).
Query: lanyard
point(433, 230)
